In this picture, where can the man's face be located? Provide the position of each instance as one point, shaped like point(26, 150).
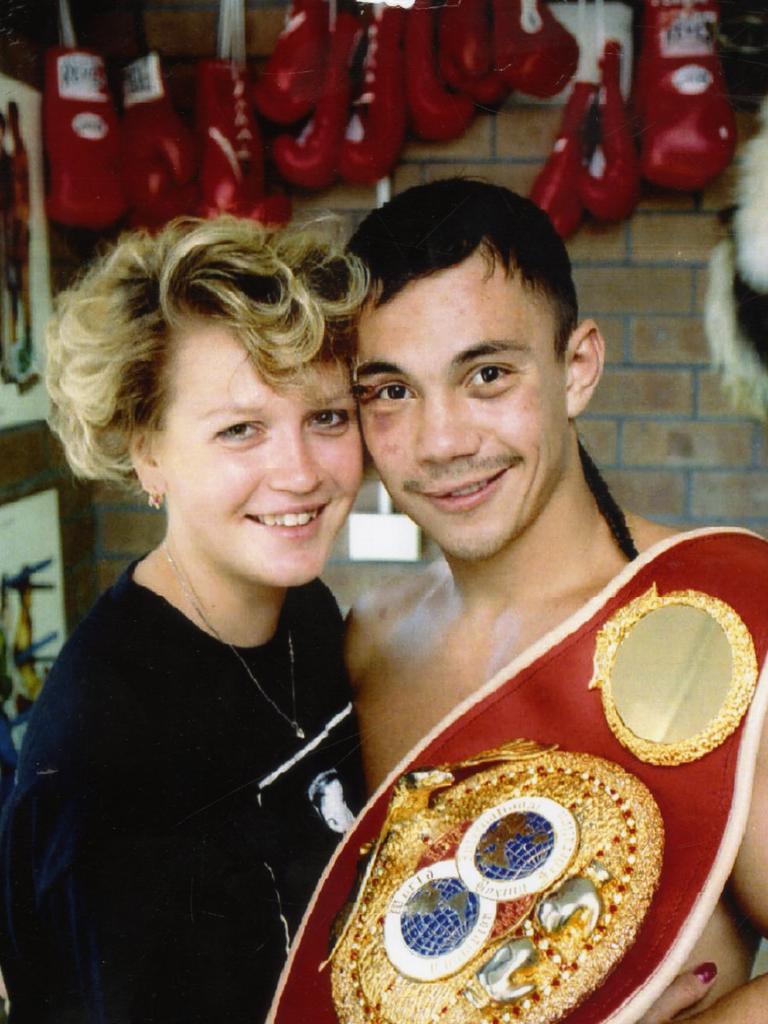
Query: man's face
point(465, 406)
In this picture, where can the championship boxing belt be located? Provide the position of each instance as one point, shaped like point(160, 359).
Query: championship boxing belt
point(566, 875)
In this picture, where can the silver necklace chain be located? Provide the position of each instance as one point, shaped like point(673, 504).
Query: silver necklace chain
point(189, 593)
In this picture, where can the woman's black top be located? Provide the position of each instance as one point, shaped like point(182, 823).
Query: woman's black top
point(166, 827)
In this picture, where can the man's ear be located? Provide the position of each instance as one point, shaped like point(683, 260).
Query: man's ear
point(584, 357)
point(145, 464)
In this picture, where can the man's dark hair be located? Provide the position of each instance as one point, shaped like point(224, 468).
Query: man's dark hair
point(436, 226)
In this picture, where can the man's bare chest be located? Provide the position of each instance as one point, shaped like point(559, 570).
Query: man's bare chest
point(402, 698)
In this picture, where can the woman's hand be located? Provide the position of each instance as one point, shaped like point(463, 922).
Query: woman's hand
point(685, 991)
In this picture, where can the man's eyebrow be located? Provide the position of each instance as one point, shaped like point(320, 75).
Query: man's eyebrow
point(372, 367)
point(376, 366)
point(488, 348)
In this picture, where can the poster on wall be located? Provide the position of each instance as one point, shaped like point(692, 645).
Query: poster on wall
point(25, 289)
point(32, 624)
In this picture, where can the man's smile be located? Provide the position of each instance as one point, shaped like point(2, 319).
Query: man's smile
point(465, 489)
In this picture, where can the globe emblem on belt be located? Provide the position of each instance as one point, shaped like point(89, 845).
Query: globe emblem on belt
point(439, 917)
point(517, 848)
point(434, 924)
point(442, 915)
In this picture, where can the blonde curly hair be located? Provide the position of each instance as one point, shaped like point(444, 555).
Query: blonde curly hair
point(290, 297)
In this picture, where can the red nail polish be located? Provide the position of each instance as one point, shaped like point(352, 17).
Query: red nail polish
point(706, 972)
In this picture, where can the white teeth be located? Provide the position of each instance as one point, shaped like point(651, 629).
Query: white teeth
point(289, 519)
point(470, 489)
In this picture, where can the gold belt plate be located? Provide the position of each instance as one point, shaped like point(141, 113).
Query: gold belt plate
point(501, 895)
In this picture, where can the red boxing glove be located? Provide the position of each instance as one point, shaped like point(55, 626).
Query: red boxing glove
point(311, 160)
point(159, 155)
point(375, 133)
point(487, 91)
point(688, 129)
point(466, 51)
point(534, 53)
point(555, 189)
point(289, 86)
point(465, 40)
point(232, 173)
point(273, 209)
point(609, 185)
point(81, 141)
point(435, 113)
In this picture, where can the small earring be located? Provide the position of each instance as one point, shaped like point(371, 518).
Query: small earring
point(154, 499)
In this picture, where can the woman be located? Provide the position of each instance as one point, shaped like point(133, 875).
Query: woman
point(164, 832)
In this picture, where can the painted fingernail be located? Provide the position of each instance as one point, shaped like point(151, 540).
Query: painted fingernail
point(706, 972)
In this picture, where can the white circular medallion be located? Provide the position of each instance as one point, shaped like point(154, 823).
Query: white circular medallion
point(517, 848)
point(434, 924)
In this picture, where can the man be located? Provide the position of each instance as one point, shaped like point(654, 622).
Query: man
point(469, 380)
point(472, 368)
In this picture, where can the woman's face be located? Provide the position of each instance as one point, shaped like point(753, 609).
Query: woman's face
point(258, 481)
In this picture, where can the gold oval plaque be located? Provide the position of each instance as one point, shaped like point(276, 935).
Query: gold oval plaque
point(676, 674)
point(428, 941)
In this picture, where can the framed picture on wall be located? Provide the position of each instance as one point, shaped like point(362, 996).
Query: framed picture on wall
point(25, 290)
point(32, 624)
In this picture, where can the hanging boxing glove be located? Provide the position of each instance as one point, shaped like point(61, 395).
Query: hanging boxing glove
point(232, 174)
point(435, 113)
point(232, 171)
point(465, 52)
point(289, 85)
point(273, 209)
point(81, 141)
point(464, 35)
point(311, 160)
point(376, 130)
point(533, 51)
point(555, 189)
point(609, 182)
point(688, 129)
point(159, 155)
point(488, 91)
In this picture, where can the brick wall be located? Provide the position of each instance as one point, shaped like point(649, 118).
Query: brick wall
point(660, 425)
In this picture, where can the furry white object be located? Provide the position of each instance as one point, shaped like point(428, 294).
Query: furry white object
point(750, 223)
point(744, 374)
point(736, 304)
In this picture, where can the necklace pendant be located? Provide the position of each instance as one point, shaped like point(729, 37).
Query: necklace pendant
point(300, 734)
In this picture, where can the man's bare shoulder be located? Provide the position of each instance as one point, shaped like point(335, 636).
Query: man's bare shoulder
point(646, 532)
point(380, 612)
